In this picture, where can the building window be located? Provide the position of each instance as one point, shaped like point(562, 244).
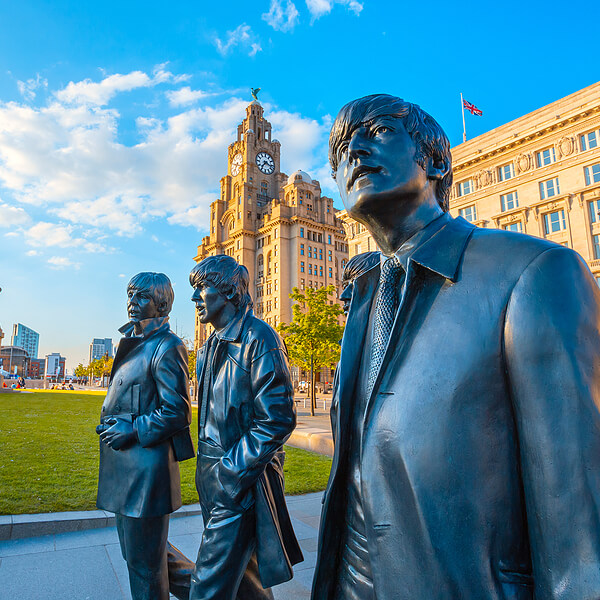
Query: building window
point(301, 249)
point(549, 188)
point(592, 174)
point(506, 172)
point(320, 271)
point(594, 211)
point(469, 213)
point(276, 286)
point(517, 226)
point(275, 250)
point(596, 240)
point(302, 284)
point(597, 280)
point(320, 253)
point(509, 201)
point(308, 206)
point(464, 187)
point(302, 232)
point(310, 252)
point(301, 266)
point(330, 256)
point(555, 221)
point(330, 272)
point(329, 239)
point(545, 157)
point(356, 248)
point(587, 141)
point(310, 269)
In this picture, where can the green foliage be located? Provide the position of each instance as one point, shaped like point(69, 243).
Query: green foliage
point(314, 332)
point(49, 455)
point(80, 371)
point(192, 363)
point(100, 367)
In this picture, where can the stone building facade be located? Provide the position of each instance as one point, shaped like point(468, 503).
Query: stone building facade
point(281, 228)
point(538, 174)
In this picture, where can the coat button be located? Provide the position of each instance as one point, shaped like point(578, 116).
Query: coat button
point(120, 382)
point(118, 407)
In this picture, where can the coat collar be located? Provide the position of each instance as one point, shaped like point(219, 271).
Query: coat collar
point(148, 327)
point(442, 252)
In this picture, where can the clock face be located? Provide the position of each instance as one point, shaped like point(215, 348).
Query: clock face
point(236, 164)
point(265, 162)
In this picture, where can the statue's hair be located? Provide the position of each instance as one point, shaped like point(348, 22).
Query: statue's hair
point(158, 285)
point(425, 131)
point(359, 264)
point(227, 275)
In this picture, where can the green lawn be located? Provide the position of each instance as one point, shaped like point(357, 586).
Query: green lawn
point(49, 455)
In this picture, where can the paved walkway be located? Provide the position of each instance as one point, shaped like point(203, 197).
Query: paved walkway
point(87, 565)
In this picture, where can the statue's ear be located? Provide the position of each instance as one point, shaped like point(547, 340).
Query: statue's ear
point(437, 168)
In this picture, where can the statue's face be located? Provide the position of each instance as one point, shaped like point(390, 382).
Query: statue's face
point(141, 305)
point(210, 302)
point(346, 295)
point(377, 171)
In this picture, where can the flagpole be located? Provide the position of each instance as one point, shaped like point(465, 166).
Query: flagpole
point(462, 107)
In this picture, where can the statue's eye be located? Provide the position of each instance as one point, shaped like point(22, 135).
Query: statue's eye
point(381, 129)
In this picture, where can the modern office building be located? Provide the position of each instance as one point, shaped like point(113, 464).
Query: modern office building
point(26, 338)
point(100, 347)
point(538, 174)
point(281, 228)
point(37, 367)
point(14, 360)
point(55, 366)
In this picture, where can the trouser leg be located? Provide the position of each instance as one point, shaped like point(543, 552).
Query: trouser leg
point(143, 545)
point(226, 567)
point(180, 572)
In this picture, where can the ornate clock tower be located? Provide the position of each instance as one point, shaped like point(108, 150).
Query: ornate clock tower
point(280, 228)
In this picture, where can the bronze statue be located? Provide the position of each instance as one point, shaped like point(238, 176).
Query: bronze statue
point(144, 431)
point(245, 414)
point(467, 452)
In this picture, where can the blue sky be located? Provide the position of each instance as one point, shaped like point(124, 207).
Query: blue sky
point(115, 118)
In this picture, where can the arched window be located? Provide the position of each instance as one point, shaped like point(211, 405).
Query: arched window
point(268, 263)
point(260, 265)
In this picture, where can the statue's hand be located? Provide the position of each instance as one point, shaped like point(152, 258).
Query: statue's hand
point(120, 435)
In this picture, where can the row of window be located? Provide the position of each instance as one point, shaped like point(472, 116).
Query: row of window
point(314, 269)
point(543, 158)
point(548, 189)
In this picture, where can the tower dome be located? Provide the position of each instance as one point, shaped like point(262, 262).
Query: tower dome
point(299, 176)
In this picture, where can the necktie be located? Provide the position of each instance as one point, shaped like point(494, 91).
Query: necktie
point(386, 305)
point(206, 382)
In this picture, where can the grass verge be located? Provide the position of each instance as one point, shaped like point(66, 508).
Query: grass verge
point(49, 455)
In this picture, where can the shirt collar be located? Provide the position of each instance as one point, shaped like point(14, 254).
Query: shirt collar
point(232, 331)
point(144, 328)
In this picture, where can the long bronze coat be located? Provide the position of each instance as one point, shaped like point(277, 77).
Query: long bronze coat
point(252, 415)
point(148, 384)
point(480, 455)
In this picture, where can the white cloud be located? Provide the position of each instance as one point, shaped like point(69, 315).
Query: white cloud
point(11, 216)
point(28, 88)
point(282, 18)
point(62, 262)
point(67, 159)
point(319, 8)
point(184, 96)
point(32, 253)
point(241, 36)
point(100, 93)
point(50, 234)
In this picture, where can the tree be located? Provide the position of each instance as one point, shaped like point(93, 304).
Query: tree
point(80, 371)
point(313, 336)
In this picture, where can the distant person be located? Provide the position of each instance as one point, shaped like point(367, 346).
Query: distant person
point(144, 432)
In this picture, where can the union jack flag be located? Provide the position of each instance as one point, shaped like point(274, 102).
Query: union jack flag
point(472, 108)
